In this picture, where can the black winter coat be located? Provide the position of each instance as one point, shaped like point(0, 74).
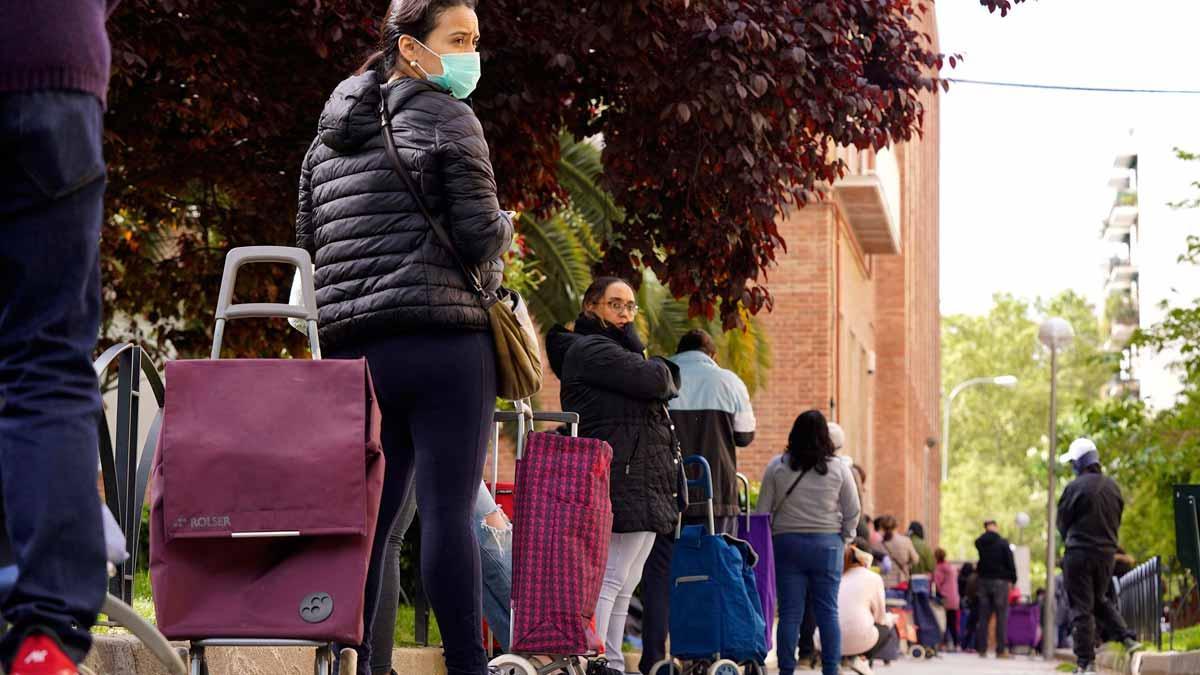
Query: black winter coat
point(995, 558)
point(380, 268)
point(620, 398)
point(1089, 514)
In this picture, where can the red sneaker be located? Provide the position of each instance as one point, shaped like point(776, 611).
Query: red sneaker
point(39, 654)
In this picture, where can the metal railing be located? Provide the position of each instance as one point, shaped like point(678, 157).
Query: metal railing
point(1140, 599)
point(125, 471)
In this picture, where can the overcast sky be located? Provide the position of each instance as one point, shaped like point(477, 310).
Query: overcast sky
point(1024, 173)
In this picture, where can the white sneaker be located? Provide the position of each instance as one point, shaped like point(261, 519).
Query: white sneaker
point(860, 666)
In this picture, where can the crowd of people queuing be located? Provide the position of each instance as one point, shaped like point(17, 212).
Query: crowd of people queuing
point(387, 292)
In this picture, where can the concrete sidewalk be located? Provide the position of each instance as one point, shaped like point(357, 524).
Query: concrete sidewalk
point(968, 664)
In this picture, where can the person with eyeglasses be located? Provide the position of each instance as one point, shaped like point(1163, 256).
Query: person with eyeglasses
point(621, 398)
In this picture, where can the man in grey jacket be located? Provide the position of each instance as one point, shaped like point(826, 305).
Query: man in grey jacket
point(713, 418)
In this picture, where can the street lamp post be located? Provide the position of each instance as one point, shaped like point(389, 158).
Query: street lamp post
point(1056, 334)
point(1000, 380)
point(1022, 523)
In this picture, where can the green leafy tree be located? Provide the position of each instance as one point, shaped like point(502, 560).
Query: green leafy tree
point(998, 436)
point(717, 114)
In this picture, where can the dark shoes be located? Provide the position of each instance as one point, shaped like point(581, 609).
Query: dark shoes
point(1132, 645)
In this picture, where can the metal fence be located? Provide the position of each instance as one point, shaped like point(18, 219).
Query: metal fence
point(125, 470)
point(1141, 601)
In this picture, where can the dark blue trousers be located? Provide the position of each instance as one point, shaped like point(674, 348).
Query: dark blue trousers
point(51, 207)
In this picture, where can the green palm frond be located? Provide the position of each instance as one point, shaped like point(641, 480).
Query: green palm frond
point(662, 319)
point(579, 171)
point(566, 246)
point(746, 352)
point(564, 258)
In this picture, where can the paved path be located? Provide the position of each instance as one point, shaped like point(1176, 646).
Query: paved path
point(966, 664)
point(956, 664)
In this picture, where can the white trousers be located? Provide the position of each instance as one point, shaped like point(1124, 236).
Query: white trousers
point(627, 554)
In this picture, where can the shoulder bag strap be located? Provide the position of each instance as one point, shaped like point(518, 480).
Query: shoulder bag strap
point(683, 498)
point(787, 494)
point(389, 147)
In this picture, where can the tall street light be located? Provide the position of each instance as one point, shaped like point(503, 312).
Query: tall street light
point(1056, 334)
point(1009, 381)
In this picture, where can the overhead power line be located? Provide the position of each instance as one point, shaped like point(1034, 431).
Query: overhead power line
point(1063, 87)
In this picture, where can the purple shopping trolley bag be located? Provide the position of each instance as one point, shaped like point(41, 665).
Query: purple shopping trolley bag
point(265, 490)
point(756, 529)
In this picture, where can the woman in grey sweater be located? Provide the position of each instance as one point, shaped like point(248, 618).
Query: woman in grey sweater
point(814, 503)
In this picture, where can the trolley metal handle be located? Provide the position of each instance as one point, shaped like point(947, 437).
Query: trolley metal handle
point(521, 418)
point(227, 310)
point(744, 484)
point(704, 482)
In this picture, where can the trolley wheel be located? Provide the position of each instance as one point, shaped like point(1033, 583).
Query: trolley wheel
point(347, 661)
point(723, 667)
point(511, 664)
point(917, 652)
point(667, 667)
point(930, 652)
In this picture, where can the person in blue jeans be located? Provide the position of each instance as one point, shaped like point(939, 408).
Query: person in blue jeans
point(495, 565)
point(814, 505)
point(54, 66)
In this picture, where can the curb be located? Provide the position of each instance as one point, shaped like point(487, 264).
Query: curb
point(1149, 663)
point(124, 655)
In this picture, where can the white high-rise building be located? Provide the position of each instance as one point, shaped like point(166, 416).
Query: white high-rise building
point(1144, 279)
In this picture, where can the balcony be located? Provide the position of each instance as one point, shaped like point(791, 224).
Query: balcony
point(869, 198)
point(1123, 388)
point(1120, 334)
point(1120, 222)
point(1121, 275)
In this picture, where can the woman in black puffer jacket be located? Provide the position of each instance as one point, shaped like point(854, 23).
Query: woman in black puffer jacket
point(388, 290)
point(620, 397)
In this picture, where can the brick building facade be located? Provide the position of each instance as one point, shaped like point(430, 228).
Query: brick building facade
point(856, 326)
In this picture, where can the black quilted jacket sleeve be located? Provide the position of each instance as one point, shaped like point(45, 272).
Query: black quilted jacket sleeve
point(479, 229)
point(304, 221)
point(616, 369)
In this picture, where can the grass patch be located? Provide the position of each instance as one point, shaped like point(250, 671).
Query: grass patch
point(406, 622)
point(143, 604)
point(1186, 639)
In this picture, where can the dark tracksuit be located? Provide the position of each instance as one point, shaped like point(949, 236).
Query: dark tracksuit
point(1089, 517)
point(997, 573)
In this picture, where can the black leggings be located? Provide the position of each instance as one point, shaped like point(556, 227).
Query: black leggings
point(951, 636)
point(437, 392)
point(383, 632)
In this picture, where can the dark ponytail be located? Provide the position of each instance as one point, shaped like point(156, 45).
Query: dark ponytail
point(416, 18)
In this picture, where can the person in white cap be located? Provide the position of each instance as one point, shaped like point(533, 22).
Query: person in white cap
point(1089, 517)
